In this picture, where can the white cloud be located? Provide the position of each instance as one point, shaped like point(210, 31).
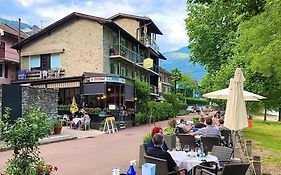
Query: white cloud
point(27, 3)
point(167, 15)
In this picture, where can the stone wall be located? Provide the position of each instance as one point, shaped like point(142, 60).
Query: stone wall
point(47, 99)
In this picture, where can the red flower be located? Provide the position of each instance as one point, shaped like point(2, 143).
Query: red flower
point(56, 168)
point(39, 170)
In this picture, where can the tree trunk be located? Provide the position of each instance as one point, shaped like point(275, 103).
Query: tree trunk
point(264, 119)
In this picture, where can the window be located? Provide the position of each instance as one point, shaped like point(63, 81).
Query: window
point(55, 61)
point(126, 72)
point(34, 61)
point(122, 71)
point(112, 68)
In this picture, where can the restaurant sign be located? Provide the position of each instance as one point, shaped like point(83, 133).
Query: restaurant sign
point(107, 79)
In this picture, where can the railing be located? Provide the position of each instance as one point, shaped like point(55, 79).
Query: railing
point(2, 50)
point(40, 74)
point(148, 41)
point(118, 49)
point(153, 89)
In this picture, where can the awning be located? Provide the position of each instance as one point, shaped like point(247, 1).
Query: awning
point(42, 52)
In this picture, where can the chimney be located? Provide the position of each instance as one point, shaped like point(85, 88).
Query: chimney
point(19, 38)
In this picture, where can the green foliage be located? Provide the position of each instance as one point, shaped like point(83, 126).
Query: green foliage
point(142, 94)
point(147, 138)
point(176, 77)
point(22, 136)
point(194, 101)
point(161, 110)
point(58, 123)
point(173, 100)
point(138, 117)
point(212, 29)
point(187, 86)
point(195, 119)
point(169, 131)
point(263, 134)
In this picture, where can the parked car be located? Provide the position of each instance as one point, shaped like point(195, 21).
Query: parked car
point(190, 109)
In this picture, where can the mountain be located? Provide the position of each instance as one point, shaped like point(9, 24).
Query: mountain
point(14, 24)
point(180, 59)
point(30, 30)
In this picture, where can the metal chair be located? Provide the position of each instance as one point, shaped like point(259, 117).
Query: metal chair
point(161, 165)
point(209, 142)
point(230, 169)
point(224, 156)
point(186, 139)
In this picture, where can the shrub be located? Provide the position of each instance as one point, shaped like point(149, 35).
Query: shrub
point(57, 123)
point(23, 135)
point(147, 138)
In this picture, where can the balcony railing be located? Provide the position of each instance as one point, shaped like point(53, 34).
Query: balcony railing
point(40, 74)
point(118, 49)
point(2, 50)
point(148, 41)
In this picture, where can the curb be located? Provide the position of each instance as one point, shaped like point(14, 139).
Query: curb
point(4, 148)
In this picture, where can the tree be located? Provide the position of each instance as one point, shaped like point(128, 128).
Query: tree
point(211, 27)
point(176, 77)
point(260, 42)
point(142, 94)
point(187, 85)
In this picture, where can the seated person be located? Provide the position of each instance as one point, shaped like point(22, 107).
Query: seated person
point(201, 123)
point(183, 127)
point(209, 130)
point(221, 126)
point(157, 151)
point(154, 131)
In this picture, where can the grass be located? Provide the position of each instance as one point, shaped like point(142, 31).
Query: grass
point(267, 137)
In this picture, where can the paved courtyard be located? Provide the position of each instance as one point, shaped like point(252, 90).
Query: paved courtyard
point(93, 152)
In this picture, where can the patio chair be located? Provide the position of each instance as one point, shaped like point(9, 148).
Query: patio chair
point(186, 139)
point(230, 169)
point(227, 141)
point(161, 165)
point(87, 122)
point(224, 156)
point(209, 142)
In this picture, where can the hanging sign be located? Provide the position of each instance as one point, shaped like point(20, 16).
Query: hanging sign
point(148, 63)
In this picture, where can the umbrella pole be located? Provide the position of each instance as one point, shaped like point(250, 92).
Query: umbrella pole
point(233, 141)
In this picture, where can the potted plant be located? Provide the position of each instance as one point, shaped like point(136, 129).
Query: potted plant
point(169, 134)
point(146, 139)
point(250, 121)
point(57, 126)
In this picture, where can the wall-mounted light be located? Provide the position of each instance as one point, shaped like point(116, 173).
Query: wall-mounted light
point(109, 89)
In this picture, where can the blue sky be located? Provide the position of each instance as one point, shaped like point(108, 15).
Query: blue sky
point(168, 15)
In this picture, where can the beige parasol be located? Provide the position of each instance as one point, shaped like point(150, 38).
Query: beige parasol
point(223, 94)
point(235, 113)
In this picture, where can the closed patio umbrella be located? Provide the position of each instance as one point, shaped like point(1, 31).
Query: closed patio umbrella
point(235, 113)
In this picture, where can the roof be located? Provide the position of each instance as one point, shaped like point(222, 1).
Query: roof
point(147, 20)
point(76, 15)
point(165, 71)
point(11, 30)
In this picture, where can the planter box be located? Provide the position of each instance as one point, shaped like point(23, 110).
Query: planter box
point(141, 155)
point(170, 141)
